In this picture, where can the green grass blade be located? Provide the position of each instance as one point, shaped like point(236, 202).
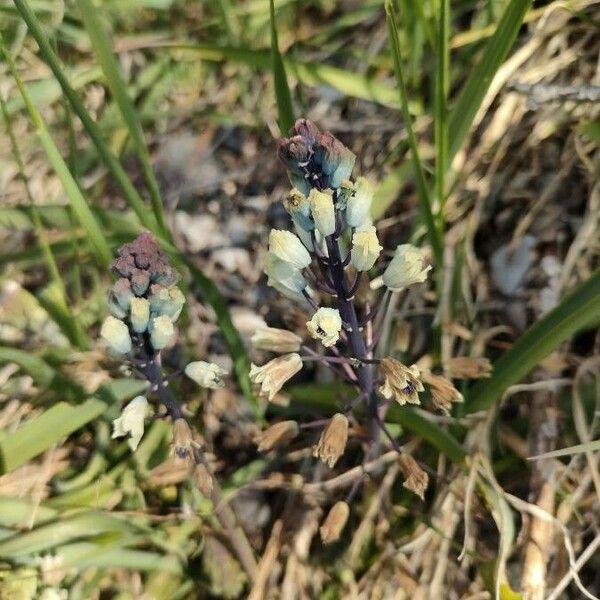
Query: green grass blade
point(578, 310)
point(53, 302)
point(86, 555)
point(474, 90)
point(50, 535)
point(42, 432)
point(110, 68)
point(418, 422)
point(282, 90)
point(113, 165)
point(422, 190)
point(45, 430)
point(309, 73)
point(78, 202)
point(231, 22)
point(577, 449)
point(442, 83)
point(40, 371)
point(35, 216)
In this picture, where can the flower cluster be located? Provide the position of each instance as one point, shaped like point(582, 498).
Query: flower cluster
point(145, 304)
point(331, 251)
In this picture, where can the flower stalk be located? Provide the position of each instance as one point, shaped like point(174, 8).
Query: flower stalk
point(145, 303)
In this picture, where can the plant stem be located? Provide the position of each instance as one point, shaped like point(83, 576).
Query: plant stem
point(356, 342)
point(227, 518)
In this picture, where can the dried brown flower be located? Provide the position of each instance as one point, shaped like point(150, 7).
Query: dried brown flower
point(415, 478)
point(443, 393)
point(182, 439)
point(334, 523)
point(464, 367)
point(277, 435)
point(272, 376)
point(272, 339)
point(401, 383)
point(332, 442)
point(203, 480)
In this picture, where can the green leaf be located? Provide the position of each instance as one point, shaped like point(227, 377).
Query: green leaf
point(85, 555)
point(577, 449)
point(578, 310)
point(53, 302)
point(48, 536)
point(78, 202)
point(129, 192)
point(440, 121)
point(40, 371)
point(312, 74)
point(103, 52)
point(423, 192)
point(38, 434)
point(474, 89)
point(282, 90)
point(18, 512)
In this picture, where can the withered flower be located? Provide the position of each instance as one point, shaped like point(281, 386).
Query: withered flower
point(443, 393)
point(415, 478)
point(277, 435)
point(275, 373)
point(182, 439)
point(401, 383)
point(464, 367)
point(334, 523)
point(203, 480)
point(332, 442)
point(272, 339)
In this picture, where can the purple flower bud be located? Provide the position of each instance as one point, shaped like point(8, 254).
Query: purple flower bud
point(142, 262)
point(306, 129)
point(335, 160)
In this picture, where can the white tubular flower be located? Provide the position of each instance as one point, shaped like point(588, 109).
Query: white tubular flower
point(323, 211)
point(275, 373)
point(305, 237)
point(131, 421)
point(287, 247)
point(272, 339)
point(325, 326)
point(139, 314)
point(358, 206)
point(116, 334)
point(284, 275)
point(407, 267)
point(206, 375)
point(161, 331)
point(365, 248)
point(298, 207)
